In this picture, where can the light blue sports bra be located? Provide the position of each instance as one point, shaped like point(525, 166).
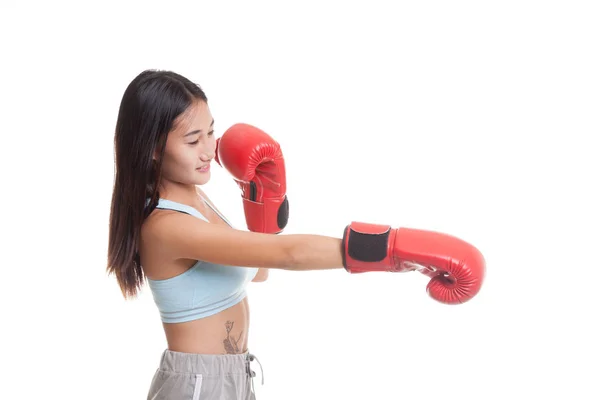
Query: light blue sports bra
point(204, 289)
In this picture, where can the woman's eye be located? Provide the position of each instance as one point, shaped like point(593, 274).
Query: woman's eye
point(193, 143)
point(211, 133)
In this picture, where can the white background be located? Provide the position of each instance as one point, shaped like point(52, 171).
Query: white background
point(475, 118)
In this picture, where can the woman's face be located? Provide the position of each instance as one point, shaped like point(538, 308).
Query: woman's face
point(190, 147)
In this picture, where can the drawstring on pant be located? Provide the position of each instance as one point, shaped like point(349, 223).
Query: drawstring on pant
point(252, 357)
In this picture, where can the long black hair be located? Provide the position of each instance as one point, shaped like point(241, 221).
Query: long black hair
point(149, 107)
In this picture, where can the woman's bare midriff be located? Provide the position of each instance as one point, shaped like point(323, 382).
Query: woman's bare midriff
point(223, 333)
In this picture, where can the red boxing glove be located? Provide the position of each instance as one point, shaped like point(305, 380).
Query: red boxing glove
point(256, 162)
point(457, 268)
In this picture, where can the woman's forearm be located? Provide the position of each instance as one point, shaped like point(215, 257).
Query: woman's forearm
point(314, 252)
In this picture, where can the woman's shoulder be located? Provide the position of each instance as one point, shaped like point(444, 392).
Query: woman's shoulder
point(154, 224)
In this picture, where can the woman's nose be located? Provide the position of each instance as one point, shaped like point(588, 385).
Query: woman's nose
point(207, 156)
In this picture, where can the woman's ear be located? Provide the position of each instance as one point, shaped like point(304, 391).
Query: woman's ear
point(157, 149)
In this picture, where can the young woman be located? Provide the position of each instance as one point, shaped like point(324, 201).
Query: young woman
point(165, 230)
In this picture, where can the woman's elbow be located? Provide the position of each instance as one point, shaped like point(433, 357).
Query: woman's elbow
point(262, 275)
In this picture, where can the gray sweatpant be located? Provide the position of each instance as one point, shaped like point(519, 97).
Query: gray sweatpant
point(203, 377)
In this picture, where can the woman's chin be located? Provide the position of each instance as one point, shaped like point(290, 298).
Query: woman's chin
point(201, 178)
